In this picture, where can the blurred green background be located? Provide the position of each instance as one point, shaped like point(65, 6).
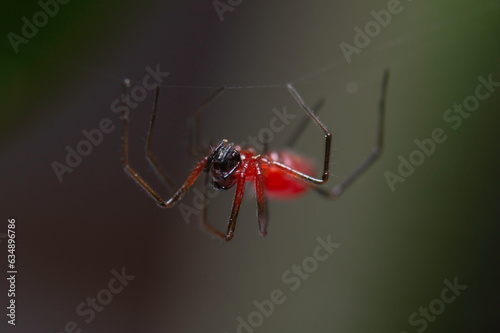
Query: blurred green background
point(396, 249)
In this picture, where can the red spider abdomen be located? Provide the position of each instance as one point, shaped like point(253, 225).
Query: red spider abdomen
point(282, 186)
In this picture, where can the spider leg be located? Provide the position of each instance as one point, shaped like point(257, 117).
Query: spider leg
point(262, 212)
point(370, 159)
point(138, 179)
point(149, 157)
point(204, 218)
point(297, 132)
point(238, 196)
point(294, 173)
point(374, 154)
point(328, 143)
point(195, 146)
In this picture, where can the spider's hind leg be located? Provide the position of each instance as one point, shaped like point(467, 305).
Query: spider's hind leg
point(195, 146)
point(299, 130)
point(193, 175)
point(372, 156)
point(149, 156)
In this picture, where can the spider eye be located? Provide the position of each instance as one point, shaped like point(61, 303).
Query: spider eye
point(226, 163)
point(222, 164)
point(229, 162)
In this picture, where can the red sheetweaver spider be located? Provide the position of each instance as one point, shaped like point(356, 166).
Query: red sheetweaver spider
point(275, 174)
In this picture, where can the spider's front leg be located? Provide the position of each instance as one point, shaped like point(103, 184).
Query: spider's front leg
point(136, 177)
point(238, 196)
point(369, 160)
point(372, 156)
point(195, 147)
point(260, 187)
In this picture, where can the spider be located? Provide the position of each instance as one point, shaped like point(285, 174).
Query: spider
point(279, 174)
